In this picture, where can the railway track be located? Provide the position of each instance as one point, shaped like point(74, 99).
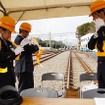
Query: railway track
point(72, 91)
point(47, 56)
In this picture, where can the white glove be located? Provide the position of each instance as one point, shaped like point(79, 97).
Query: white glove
point(98, 23)
point(95, 35)
point(18, 50)
point(24, 42)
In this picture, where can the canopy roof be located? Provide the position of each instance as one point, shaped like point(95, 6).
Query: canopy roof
point(39, 9)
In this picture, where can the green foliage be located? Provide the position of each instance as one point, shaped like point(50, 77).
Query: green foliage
point(85, 28)
point(54, 44)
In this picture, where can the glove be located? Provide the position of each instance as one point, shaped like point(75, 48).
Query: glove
point(24, 42)
point(18, 50)
point(95, 35)
point(98, 23)
point(34, 41)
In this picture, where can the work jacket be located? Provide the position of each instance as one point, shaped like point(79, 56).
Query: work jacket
point(93, 45)
point(25, 62)
point(6, 61)
point(98, 42)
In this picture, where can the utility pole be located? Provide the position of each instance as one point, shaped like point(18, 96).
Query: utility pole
point(50, 39)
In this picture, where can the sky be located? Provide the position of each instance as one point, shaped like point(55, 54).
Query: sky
point(60, 29)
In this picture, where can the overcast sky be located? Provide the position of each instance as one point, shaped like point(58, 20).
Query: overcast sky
point(57, 25)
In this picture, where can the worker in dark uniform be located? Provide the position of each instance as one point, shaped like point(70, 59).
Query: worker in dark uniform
point(24, 65)
point(97, 41)
point(7, 52)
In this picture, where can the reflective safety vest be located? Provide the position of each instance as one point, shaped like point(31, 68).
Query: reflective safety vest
point(3, 70)
point(101, 53)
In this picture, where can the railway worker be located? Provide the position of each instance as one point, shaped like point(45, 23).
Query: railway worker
point(24, 65)
point(7, 52)
point(97, 41)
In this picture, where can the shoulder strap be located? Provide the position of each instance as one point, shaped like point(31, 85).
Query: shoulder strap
point(0, 45)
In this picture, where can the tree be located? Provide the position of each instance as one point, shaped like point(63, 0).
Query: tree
point(55, 44)
point(85, 28)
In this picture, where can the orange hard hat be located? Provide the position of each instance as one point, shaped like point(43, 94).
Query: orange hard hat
point(25, 26)
point(8, 23)
point(97, 5)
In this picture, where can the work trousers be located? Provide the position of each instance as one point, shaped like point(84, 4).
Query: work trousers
point(26, 80)
point(7, 79)
point(101, 72)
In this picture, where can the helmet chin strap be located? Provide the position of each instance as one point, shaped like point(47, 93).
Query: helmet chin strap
point(98, 14)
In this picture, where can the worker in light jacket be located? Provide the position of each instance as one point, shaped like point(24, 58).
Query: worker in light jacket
point(97, 41)
point(24, 65)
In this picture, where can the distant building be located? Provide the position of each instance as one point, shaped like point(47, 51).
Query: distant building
point(84, 42)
